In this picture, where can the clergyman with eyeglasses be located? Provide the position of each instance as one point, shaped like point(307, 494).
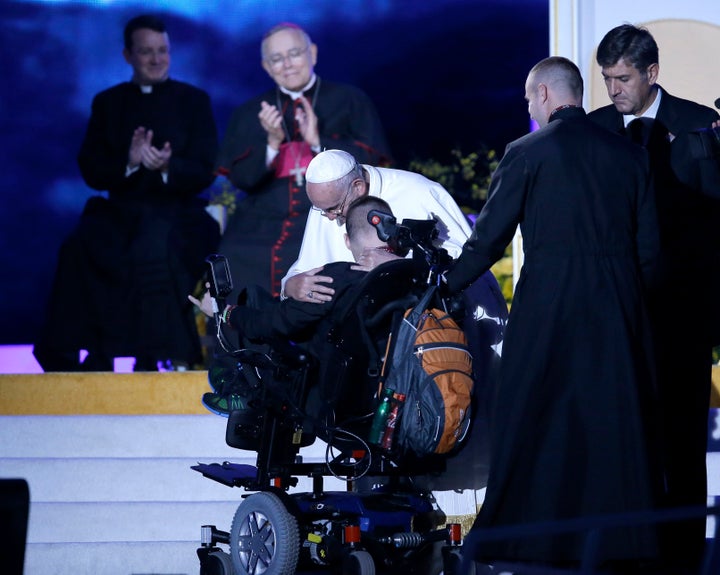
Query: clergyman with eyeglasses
point(268, 144)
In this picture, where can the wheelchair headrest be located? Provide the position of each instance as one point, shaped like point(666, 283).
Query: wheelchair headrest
point(387, 282)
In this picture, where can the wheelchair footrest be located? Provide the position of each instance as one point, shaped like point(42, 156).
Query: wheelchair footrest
point(230, 474)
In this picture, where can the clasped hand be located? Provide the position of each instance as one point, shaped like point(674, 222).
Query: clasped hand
point(271, 121)
point(143, 152)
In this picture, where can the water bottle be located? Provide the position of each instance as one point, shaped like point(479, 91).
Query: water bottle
point(391, 422)
point(381, 414)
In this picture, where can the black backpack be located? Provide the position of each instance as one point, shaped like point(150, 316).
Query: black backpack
point(428, 361)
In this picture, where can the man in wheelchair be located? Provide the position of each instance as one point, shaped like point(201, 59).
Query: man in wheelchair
point(324, 359)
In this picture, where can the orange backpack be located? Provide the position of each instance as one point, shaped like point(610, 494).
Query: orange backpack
point(428, 361)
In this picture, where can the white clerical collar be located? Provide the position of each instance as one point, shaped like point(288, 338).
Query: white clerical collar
point(148, 88)
point(651, 112)
point(296, 95)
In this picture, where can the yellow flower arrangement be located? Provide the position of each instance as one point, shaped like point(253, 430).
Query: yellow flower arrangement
point(226, 196)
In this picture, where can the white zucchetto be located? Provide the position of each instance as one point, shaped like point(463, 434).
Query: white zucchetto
point(329, 166)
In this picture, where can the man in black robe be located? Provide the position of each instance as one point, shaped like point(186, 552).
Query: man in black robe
point(572, 418)
point(269, 142)
point(150, 143)
point(683, 308)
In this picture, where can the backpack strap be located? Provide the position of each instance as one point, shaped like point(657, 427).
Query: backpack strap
point(412, 316)
point(416, 312)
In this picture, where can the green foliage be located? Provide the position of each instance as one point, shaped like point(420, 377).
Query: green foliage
point(466, 177)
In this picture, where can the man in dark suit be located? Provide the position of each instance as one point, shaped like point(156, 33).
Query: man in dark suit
point(291, 318)
point(681, 308)
point(572, 417)
point(151, 144)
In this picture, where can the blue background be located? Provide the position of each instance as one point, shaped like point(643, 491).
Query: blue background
point(443, 74)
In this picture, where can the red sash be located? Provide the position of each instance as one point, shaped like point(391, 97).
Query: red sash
point(293, 156)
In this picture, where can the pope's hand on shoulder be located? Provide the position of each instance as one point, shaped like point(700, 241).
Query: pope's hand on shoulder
point(310, 287)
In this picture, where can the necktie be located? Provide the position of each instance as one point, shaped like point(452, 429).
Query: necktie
point(639, 130)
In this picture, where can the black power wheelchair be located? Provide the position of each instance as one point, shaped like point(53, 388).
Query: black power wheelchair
point(381, 522)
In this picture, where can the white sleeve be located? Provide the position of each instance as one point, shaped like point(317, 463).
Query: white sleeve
point(270, 155)
point(414, 196)
point(323, 242)
point(454, 227)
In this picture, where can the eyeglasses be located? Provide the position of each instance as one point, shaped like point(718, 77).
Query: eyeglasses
point(294, 55)
point(336, 211)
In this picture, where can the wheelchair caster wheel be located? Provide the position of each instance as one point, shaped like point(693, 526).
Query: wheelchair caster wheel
point(358, 563)
point(217, 562)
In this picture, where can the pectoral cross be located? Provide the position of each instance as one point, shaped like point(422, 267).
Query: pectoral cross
point(298, 172)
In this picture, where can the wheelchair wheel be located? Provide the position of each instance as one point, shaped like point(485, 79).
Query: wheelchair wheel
point(358, 563)
point(264, 538)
